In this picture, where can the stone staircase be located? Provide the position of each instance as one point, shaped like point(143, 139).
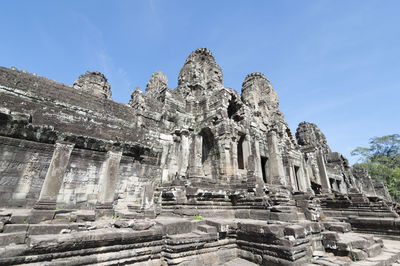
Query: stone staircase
point(70, 238)
point(363, 214)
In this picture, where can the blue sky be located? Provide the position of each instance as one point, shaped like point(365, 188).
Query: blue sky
point(334, 63)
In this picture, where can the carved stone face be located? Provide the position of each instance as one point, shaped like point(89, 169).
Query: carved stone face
point(193, 75)
point(94, 83)
point(258, 93)
point(200, 72)
point(157, 84)
point(310, 134)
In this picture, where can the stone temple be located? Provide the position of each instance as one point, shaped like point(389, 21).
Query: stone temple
point(197, 175)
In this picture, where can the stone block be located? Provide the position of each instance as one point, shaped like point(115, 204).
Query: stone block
point(337, 226)
point(222, 225)
point(259, 215)
point(68, 217)
point(295, 230)
point(12, 250)
point(21, 217)
point(207, 228)
point(38, 216)
point(358, 254)
point(317, 227)
point(387, 222)
point(44, 229)
point(12, 228)
point(329, 235)
point(281, 216)
point(85, 215)
point(397, 223)
point(174, 226)
point(12, 238)
point(374, 250)
point(262, 229)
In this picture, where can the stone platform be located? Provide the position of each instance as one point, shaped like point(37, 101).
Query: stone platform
point(186, 241)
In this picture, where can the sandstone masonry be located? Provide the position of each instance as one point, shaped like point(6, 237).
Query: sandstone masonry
point(198, 175)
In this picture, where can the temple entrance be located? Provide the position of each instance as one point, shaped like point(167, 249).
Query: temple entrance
point(316, 188)
point(296, 176)
point(264, 168)
point(209, 153)
point(240, 156)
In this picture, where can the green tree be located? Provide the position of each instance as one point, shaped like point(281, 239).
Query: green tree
point(382, 160)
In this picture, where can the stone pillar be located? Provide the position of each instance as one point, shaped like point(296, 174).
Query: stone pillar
point(54, 177)
point(306, 177)
point(108, 178)
point(24, 183)
point(325, 185)
point(195, 164)
point(147, 205)
point(275, 161)
point(226, 165)
point(291, 173)
point(256, 152)
point(304, 182)
point(183, 156)
point(234, 157)
point(246, 150)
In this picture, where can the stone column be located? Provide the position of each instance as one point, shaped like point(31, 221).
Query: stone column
point(183, 156)
point(275, 161)
point(326, 186)
point(195, 164)
point(54, 177)
point(226, 165)
point(292, 176)
point(304, 182)
point(108, 178)
point(234, 158)
point(246, 150)
point(306, 177)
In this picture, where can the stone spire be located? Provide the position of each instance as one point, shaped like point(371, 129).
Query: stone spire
point(258, 93)
point(308, 134)
point(94, 83)
point(200, 74)
point(157, 85)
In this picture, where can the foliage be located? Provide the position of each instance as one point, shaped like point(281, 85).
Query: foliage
point(198, 217)
point(382, 160)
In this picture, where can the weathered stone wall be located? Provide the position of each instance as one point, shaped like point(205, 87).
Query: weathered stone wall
point(114, 154)
point(80, 187)
point(23, 167)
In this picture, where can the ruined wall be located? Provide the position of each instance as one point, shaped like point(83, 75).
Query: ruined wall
point(75, 147)
point(36, 112)
point(23, 167)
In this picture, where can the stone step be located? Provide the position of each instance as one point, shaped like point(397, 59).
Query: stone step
point(341, 227)
point(12, 228)
point(222, 225)
point(385, 258)
point(173, 226)
point(46, 229)
point(40, 229)
point(189, 238)
point(356, 246)
point(301, 216)
point(13, 250)
point(239, 262)
point(12, 238)
point(207, 228)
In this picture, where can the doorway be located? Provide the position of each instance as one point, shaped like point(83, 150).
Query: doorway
point(263, 168)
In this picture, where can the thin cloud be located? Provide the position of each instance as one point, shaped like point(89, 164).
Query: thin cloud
point(98, 56)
